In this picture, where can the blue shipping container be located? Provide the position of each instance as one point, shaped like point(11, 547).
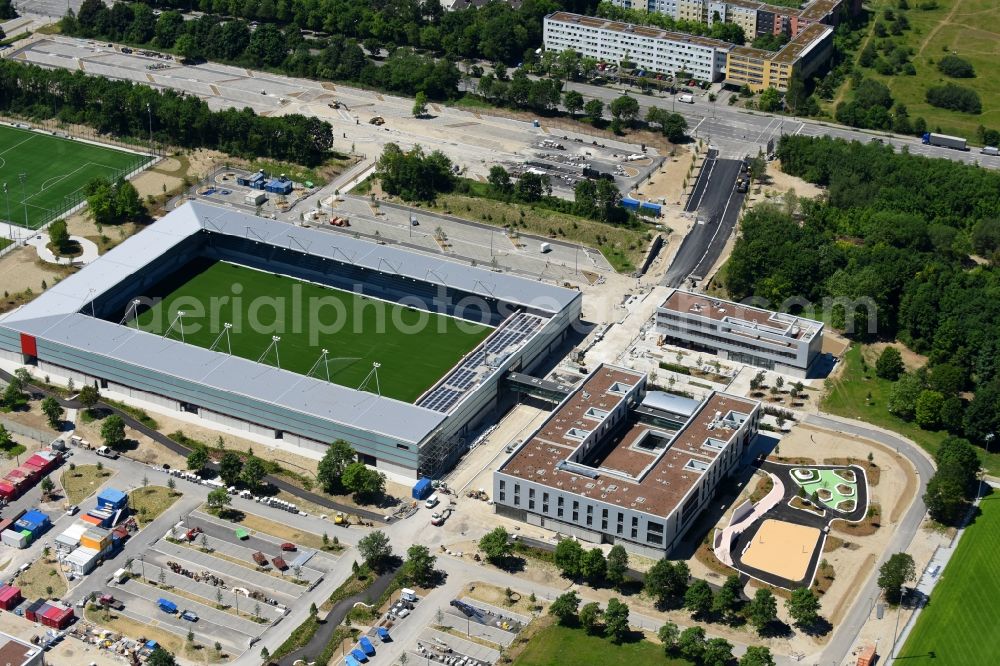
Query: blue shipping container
point(422, 489)
point(630, 203)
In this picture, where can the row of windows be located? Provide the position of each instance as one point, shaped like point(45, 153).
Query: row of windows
point(724, 340)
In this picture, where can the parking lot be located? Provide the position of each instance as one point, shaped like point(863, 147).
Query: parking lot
point(216, 568)
point(488, 630)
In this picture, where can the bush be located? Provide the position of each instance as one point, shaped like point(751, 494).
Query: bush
point(955, 67)
point(956, 98)
point(675, 367)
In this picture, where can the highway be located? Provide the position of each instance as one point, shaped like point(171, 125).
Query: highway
point(716, 204)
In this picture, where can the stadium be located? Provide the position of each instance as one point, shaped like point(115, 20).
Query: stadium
point(295, 336)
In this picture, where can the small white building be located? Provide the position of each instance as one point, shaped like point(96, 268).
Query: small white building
point(69, 540)
point(254, 198)
point(82, 561)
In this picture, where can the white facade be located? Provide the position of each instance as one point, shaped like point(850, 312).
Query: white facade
point(649, 48)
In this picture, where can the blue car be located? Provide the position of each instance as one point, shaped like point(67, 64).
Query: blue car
point(367, 646)
point(359, 655)
point(350, 661)
point(383, 634)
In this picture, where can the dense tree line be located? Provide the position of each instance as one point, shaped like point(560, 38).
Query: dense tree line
point(494, 32)
point(955, 67)
point(872, 106)
point(126, 109)
point(897, 229)
point(413, 175)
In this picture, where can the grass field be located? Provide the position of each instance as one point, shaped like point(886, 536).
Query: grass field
point(55, 169)
point(967, 28)
point(415, 348)
point(955, 627)
point(848, 396)
point(551, 645)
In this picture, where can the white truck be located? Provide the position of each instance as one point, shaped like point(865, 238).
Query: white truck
point(686, 99)
point(990, 150)
point(106, 452)
point(545, 247)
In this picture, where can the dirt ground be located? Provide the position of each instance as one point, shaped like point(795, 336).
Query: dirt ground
point(146, 450)
point(67, 651)
point(780, 182)
point(911, 359)
point(21, 270)
point(668, 181)
point(834, 343)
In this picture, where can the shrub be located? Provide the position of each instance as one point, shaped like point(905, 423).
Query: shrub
point(955, 67)
point(956, 98)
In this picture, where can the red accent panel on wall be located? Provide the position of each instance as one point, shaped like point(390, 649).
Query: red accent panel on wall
point(28, 345)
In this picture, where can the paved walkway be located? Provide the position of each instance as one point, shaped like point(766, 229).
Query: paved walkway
point(40, 241)
point(731, 531)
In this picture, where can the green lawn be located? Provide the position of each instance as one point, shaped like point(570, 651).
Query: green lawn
point(846, 396)
point(553, 645)
point(971, 30)
point(415, 348)
point(56, 170)
point(959, 625)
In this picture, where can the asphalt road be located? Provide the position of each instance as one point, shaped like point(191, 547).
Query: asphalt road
point(716, 204)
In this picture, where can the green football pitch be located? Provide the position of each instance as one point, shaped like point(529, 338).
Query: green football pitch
point(55, 173)
point(960, 623)
point(413, 347)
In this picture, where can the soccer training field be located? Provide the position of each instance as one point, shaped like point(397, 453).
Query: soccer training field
point(960, 623)
point(55, 169)
point(415, 348)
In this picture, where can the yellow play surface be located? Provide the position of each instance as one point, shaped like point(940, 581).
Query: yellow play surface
point(782, 549)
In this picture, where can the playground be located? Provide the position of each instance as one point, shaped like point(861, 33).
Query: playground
point(781, 548)
point(835, 488)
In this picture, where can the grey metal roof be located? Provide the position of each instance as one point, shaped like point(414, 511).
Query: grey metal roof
point(670, 403)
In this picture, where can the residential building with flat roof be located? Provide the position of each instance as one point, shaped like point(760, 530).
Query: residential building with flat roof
point(802, 56)
point(651, 49)
point(771, 340)
point(613, 464)
point(15, 652)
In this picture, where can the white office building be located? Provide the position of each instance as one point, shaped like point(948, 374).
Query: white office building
point(651, 49)
point(771, 340)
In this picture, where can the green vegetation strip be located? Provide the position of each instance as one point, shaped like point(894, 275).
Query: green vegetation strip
point(954, 628)
point(415, 348)
point(551, 645)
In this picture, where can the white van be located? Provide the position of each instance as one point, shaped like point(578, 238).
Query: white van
point(406, 594)
point(432, 501)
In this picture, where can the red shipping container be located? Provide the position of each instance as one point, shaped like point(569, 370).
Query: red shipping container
point(38, 461)
point(14, 474)
point(90, 519)
point(10, 597)
point(35, 612)
point(7, 490)
point(57, 616)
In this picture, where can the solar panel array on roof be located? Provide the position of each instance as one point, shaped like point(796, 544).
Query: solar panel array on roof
point(470, 372)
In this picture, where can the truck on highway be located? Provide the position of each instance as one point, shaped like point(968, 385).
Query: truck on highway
point(686, 99)
point(945, 141)
point(990, 150)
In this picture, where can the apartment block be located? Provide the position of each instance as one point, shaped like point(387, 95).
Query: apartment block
point(649, 48)
point(802, 56)
point(614, 463)
point(771, 340)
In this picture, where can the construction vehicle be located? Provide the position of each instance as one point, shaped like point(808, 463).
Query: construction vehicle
point(438, 519)
point(341, 519)
point(377, 120)
point(334, 104)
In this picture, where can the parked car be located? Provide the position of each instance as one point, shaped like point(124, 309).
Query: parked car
point(288, 546)
point(190, 616)
point(71, 511)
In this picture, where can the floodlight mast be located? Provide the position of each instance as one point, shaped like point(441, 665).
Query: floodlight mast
point(274, 344)
point(178, 318)
point(374, 373)
point(323, 358)
point(224, 332)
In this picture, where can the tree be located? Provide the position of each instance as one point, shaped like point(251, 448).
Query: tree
point(593, 111)
point(531, 187)
point(667, 582)
point(568, 557)
point(496, 545)
point(757, 655)
point(803, 606)
point(6, 441)
point(89, 397)
point(674, 127)
point(218, 500)
point(954, 97)
point(13, 395)
point(53, 412)
point(565, 606)
point(113, 431)
point(616, 620)
point(698, 599)
point(420, 105)
point(47, 486)
point(955, 481)
point(593, 566)
point(59, 236)
point(927, 412)
point(770, 100)
point(590, 617)
point(727, 600)
point(197, 459)
point(624, 108)
point(253, 472)
point(903, 396)
point(362, 481)
point(762, 609)
point(230, 467)
point(894, 573)
point(374, 547)
point(419, 565)
point(668, 635)
point(188, 48)
point(160, 657)
point(499, 180)
point(7, 10)
point(691, 643)
point(617, 565)
point(717, 652)
point(955, 67)
point(890, 364)
point(573, 101)
point(331, 468)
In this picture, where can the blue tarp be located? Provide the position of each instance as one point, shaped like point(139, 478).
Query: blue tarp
point(629, 202)
point(651, 206)
point(422, 489)
point(350, 661)
point(383, 633)
point(359, 655)
point(112, 497)
point(367, 646)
